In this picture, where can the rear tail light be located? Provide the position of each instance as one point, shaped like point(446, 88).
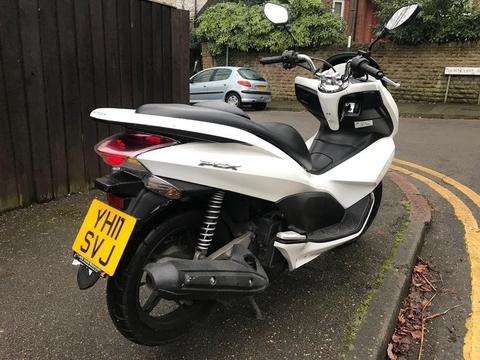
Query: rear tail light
point(244, 83)
point(122, 149)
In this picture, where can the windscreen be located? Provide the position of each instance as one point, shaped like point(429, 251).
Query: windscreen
point(250, 74)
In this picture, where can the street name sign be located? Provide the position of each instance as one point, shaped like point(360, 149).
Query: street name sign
point(456, 70)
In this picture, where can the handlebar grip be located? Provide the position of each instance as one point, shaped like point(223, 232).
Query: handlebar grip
point(372, 71)
point(271, 60)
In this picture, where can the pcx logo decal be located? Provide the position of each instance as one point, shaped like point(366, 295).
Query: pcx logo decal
point(218, 165)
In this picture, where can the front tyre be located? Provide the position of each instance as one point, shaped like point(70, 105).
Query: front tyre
point(139, 313)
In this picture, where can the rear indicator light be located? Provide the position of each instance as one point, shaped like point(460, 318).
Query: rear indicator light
point(162, 187)
point(121, 149)
point(244, 83)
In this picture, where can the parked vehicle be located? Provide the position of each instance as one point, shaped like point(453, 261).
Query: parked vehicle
point(204, 203)
point(235, 85)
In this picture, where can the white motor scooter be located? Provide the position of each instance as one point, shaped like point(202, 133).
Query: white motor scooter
point(205, 204)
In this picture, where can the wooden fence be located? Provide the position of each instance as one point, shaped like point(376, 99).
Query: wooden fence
point(60, 59)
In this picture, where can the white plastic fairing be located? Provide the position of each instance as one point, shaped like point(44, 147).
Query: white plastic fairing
point(258, 169)
point(330, 101)
point(302, 253)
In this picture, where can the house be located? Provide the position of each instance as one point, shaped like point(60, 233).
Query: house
point(359, 16)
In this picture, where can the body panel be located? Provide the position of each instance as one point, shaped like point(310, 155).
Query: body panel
point(330, 101)
point(263, 170)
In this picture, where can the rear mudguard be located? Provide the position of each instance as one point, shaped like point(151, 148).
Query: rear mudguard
point(146, 206)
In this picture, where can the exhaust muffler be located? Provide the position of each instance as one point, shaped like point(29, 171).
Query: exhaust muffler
point(240, 275)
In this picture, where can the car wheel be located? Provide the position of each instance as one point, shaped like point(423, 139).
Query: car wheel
point(233, 99)
point(260, 106)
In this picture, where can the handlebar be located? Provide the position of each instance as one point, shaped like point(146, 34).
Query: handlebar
point(370, 70)
point(360, 65)
point(271, 60)
point(290, 59)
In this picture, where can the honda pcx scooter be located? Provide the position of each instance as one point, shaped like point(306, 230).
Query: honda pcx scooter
point(205, 204)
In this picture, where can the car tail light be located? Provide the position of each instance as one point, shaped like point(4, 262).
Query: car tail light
point(122, 148)
point(244, 83)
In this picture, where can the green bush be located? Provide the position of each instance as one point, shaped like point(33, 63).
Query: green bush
point(440, 21)
point(244, 27)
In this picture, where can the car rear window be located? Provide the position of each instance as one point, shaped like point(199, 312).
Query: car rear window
point(250, 74)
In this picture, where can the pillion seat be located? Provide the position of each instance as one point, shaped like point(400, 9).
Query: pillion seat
point(283, 136)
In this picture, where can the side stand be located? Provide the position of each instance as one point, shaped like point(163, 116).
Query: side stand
point(256, 309)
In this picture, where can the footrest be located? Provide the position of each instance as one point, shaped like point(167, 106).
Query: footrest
point(352, 222)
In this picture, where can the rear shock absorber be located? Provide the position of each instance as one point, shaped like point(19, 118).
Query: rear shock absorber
point(209, 224)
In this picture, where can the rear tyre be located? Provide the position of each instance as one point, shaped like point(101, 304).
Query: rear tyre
point(139, 313)
point(260, 106)
point(233, 99)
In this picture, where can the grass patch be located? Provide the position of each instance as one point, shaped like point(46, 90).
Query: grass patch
point(385, 267)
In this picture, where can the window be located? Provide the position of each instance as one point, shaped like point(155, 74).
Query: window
point(203, 76)
point(250, 74)
point(338, 6)
point(221, 74)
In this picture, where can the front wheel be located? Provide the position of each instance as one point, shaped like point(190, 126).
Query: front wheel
point(140, 314)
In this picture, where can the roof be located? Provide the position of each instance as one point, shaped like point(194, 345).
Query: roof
point(207, 4)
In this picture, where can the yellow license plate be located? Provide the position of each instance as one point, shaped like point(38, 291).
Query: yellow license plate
point(103, 236)
point(261, 87)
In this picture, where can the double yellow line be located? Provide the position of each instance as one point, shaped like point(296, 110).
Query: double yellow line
point(471, 344)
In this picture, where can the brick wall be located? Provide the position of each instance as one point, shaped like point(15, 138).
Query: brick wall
point(419, 69)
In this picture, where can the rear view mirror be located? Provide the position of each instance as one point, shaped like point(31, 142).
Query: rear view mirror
point(277, 14)
point(402, 16)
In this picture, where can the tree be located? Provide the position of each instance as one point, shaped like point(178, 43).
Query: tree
point(440, 21)
point(244, 27)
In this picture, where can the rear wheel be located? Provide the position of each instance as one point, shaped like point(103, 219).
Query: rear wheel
point(233, 99)
point(139, 313)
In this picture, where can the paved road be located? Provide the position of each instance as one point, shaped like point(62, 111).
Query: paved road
point(451, 147)
point(309, 313)
point(44, 315)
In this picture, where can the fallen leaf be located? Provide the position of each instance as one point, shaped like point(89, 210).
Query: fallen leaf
point(420, 268)
point(396, 338)
point(416, 334)
point(391, 355)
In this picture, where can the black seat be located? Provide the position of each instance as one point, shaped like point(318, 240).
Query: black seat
point(223, 106)
point(283, 136)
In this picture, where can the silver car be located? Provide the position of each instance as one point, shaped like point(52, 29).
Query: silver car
point(235, 85)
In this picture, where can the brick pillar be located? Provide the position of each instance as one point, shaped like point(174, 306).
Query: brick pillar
point(207, 59)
